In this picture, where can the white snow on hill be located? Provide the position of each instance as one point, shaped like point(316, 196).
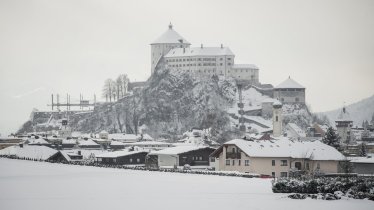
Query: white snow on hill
point(38, 185)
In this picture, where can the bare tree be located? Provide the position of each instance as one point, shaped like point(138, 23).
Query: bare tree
point(109, 89)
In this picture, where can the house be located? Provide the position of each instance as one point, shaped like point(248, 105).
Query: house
point(37, 141)
point(117, 145)
point(289, 91)
point(9, 141)
point(123, 137)
point(276, 157)
point(68, 143)
point(363, 165)
point(124, 157)
point(34, 152)
point(66, 156)
point(180, 156)
point(153, 145)
point(88, 144)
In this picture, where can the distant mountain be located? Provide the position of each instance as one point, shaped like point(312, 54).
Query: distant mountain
point(360, 111)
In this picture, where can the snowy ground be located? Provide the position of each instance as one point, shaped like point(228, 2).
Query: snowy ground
point(39, 185)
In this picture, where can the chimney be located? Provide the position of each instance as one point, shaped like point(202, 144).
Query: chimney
point(221, 46)
point(201, 46)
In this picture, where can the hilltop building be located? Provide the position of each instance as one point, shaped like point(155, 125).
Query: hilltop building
point(289, 91)
point(172, 50)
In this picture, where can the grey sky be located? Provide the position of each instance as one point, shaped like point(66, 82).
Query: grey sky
point(73, 46)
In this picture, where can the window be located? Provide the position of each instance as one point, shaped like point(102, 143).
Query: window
point(273, 162)
point(228, 59)
point(307, 166)
point(246, 162)
point(114, 160)
point(233, 162)
point(233, 150)
point(297, 99)
point(239, 162)
point(227, 162)
point(318, 166)
point(138, 160)
point(283, 162)
point(212, 159)
point(273, 174)
point(200, 158)
point(276, 118)
point(130, 160)
point(283, 174)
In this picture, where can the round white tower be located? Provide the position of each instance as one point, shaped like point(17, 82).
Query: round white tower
point(167, 41)
point(277, 119)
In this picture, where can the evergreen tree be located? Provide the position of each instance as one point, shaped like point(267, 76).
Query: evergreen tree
point(363, 149)
point(331, 138)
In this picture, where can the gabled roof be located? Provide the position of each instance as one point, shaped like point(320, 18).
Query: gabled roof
point(177, 150)
point(29, 151)
point(198, 51)
point(119, 154)
point(289, 83)
point(170, 37)
point(285, 148)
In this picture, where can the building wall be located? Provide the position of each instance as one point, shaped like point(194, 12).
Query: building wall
point(344, 131)
point(290, 95)
point(277, 121)
point(134, 159)
point(196, 158)
point(267, 109)
point(248, 74)
point(363, 168)
point(264, 166)
point(167, 160)
point(159, 50)
point(212, 65)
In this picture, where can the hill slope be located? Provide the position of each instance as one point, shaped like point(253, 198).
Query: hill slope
point(359, 111)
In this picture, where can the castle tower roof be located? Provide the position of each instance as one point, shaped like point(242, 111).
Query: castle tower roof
point(344, 116)
point(170, 37)
point(289, 83)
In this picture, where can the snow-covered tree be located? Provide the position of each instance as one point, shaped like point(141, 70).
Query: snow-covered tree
point(122, 83)
point(331, 138)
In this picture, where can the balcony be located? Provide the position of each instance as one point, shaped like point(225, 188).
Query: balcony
point(233, 155)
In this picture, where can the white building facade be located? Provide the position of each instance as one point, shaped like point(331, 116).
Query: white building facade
point(199, 61)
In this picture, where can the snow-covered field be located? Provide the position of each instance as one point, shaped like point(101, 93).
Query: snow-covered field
point(38, 185)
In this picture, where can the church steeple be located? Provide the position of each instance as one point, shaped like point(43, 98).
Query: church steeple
point(170, 26)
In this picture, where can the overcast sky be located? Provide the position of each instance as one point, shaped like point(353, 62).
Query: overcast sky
point(72, 46)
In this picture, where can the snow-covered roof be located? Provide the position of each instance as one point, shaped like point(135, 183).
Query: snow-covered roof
point(177, 150)
point(29, 151)
point(119, 154)
point(148, 143)
point(69, 141)
point(37, 141)
point(344, 116)
point(124, 137)
point(286, 148)
point(363, 160)
point(244, 66)
point(198, 51)
point(116, 143)
point(289, 83)
point(88, 142)
point(270, 100)
point(297, 129)
point(170, 37)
